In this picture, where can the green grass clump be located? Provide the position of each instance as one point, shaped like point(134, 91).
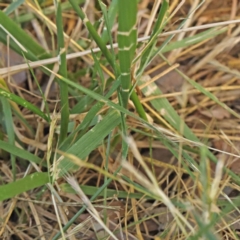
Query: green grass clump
point(83, 139)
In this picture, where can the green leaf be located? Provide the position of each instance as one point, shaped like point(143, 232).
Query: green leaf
point(20, 41)
point(91, 140)
point(208, 94)
point(91, 190)
point(23, 103)
point(127, 39)
point(8, 122)
point(188, 41)
point(13, 6)
point(158, 27)
point(63, 72)
point(18, 152)
point(25, 184)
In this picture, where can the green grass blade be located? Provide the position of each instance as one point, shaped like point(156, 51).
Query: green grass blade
point(25, 184)
point(26, 44)
point(89, 117)
point(109, 18)
point(18, 152)
point(91, 190)
point(23, 103)
point(166, 41)
point(208, 94)
point(91, 140)
point(106, 53)
point(94, 34)
point(26, 17)
point(82, 105)
point(10, 130)
point(158, 27)
point(13, 6)
point(127, 39)
point(188, 41)
point(74, 136)
point(106, 161)
point(62, 72)
point(40, 90)
point(100, 72)
point(97, 193)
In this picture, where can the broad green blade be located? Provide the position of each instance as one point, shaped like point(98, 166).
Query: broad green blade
point(20, 41)
point(18, 152)
point(13, 6)
point(91, 140)
point(25, 184)
point(127, 39)
point(188, 41)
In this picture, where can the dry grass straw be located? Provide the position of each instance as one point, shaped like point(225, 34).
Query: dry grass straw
point(212, 63)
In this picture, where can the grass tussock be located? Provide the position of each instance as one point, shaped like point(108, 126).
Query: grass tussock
point(119, 120)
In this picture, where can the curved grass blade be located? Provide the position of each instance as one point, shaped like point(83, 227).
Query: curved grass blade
point(25, 184)
point(13, 6)
point(109, 17)
point(91, 140)
point(18, 152)
point(208, 94)
point(20, 40)
point(94, 34)
point(89, 117)
point(101, 44)
point(23, 103)
point(188, 41)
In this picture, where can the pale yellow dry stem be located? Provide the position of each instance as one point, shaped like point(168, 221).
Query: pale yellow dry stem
point(40, 34)
point(189, 92)
point(49, 84)
point(90, 207)
point(134, 207)
point(29, 141)
point(82, 163)
point(233, 13)
point(76, 34)
point(227, 135)
point(228, 41)
point(58, 217)
point(173, 55)
point(217, 180)
point(36, 218)
point(82, 227)
point(160, 118)
point(152, 17)
point(228, 140)
point(20, 67)
point(153, 185)
point(158, 192)
point(12, 207)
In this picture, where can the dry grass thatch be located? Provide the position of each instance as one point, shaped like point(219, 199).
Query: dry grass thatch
point(156, 195)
